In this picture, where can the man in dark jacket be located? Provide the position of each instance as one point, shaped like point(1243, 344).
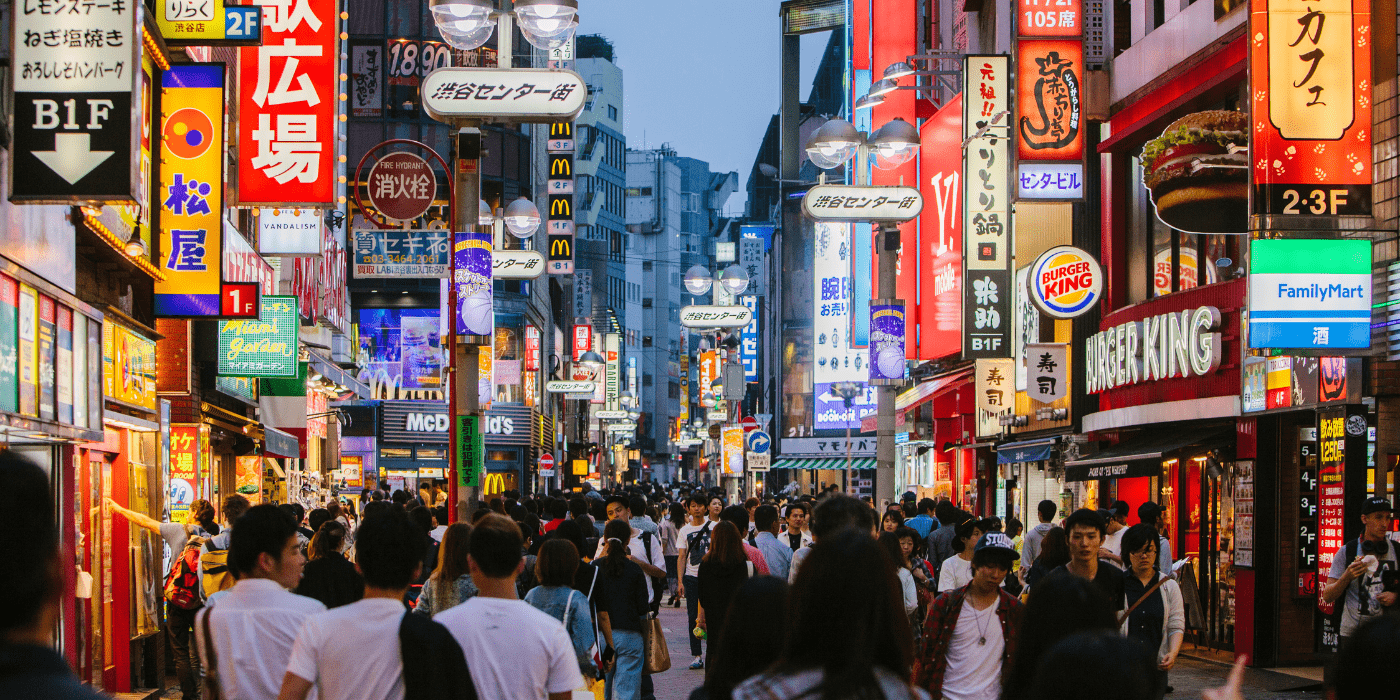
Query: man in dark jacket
point(31, 586)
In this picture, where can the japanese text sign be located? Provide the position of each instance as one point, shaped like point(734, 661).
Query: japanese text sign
point(385, 253)
point(287, 105)
point(1047, 371)
point(401, 186)
point(1310, 293)
point(994, 383)
point(887, 321)
point(1050, 75)
point(751, 259)
point(518, 265)
point(748, 340)
point(128, 367)
point(261, 347)
point(475, 311)
point(75, 69)
point(987, 231)
point(184, 469)
point(583, 293)
point(243, 264)
point(853, 203)
point(1310, 81)
point(1064, 180)
point(191, 188)
point(715, 316)
point(208, 23)
point(522, 95)
point(1331, 462)
point(583, 340)
point(1049, 18)
point(366, 80)
point(941, 233)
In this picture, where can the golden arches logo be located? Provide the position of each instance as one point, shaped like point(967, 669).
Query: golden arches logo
point(561, 131)
point(561, 165)
point(560, 206)
point(495, 483)
point(562, 247)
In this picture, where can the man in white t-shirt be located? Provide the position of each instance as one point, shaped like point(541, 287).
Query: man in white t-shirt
point(692, 542)
point(964, 650)
point(353, 652)
point(1116, 520)
point(515, 651)
point(254, 623)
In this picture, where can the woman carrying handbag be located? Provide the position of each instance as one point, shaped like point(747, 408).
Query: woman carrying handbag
point(1154, 613)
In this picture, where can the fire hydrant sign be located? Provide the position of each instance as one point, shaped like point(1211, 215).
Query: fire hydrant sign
point(75, 68)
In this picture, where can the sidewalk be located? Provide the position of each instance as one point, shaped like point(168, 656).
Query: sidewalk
point(677, 683)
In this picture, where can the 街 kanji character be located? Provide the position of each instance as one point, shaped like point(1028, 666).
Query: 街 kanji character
point(283, 93)
point(291, 151)
point(561, 93)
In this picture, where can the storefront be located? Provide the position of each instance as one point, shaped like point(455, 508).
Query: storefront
point(510, 447)
point(413, 442)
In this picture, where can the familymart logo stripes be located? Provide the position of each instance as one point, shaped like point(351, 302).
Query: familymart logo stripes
point(1308, 293)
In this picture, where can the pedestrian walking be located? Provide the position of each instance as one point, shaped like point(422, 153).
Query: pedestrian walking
point(1054, 553)
point(889, 541)
point(971, 630)
point(739, 516)
point(1361, 568)
point(373, 649)
point(624, 596)
point(1116, 524)
point(451, 582)
point(215, 574)
point(753, 635)
point(776, 555)
point(31, 586)
point(956, 570)
point(940, 543)
point(1157, 617)
point(555, 567)
point(796, 535)
point(1372, 646)
point(328, 576)
point(670, 549)
point(1030, 546)
point(866, 650)
point(1151, 513)
point(514, 651)
point(892, 520)
point(923, 523)
point(1085, 529)
point(1058, 607)
point(247, 635)
point(834, 514)
point(722, 571)
point(693, 545)
point(1120, 668)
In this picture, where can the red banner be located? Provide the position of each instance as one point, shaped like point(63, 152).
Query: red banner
point(940, 233)
point(895, 40)
point(288, 104)
point(1049, 18)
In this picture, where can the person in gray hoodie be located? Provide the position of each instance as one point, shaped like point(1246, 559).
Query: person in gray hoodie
point(1030, 546)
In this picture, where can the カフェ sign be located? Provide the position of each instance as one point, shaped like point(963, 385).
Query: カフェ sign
point(1166, 346)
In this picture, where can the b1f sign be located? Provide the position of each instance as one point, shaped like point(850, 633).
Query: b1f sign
point(1310, 294)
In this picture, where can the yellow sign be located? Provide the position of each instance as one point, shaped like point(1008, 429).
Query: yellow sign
point(191, 191)
point(733, 450)
point(580, 467)
point(128, 367)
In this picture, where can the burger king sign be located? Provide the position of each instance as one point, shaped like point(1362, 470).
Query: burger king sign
point(1065, 281)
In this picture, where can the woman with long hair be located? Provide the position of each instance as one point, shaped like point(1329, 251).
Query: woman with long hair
point(329, 577)
point(891, 521)
point(865, 651)
point(451, 582)
point(624, 595)
point(1054, 553)
point(723, 570)
point(956, 571)
point(1158, 618)
point(670, 531)
point(753, 637)
point(889, 541)
point(555, 567)
point(1059, 606)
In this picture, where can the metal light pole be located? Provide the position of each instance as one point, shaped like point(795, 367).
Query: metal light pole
point(848, 391)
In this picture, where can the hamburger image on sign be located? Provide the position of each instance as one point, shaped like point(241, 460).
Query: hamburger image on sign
point(1197, 172)
point(1065, 282)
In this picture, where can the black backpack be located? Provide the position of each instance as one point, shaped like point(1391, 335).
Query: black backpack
point(658, 583)
point(697, 544)
point(434, 667)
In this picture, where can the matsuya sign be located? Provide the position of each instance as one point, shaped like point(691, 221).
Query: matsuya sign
point(488, 94)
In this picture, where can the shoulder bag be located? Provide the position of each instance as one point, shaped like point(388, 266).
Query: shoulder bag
point(209, 678)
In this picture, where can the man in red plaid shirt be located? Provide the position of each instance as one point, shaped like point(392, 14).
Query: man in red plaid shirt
point(970, 633)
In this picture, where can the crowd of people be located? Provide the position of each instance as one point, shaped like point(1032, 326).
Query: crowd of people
point(553, 597)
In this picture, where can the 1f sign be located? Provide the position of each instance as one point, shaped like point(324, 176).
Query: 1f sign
point(74, 131)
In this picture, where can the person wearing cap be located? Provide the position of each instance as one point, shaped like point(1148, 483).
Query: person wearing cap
point(1151, 513)
point(1116, 519)
point(1367, 562)
point(970, 632)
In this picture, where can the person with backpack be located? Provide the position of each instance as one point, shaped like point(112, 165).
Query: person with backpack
point(181, 579)
point(1372, 563)
point(693, 542)
point(214, 573)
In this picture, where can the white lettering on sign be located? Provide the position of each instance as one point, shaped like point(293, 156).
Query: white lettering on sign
point(500, 425)
point(425, 423)
point(1166, 346)
point(1108, 471)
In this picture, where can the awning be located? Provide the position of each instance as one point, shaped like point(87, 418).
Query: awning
point(823, 463)
point(1143, 455)
point(1025, 451)
point(277, 443)
point(929, 389)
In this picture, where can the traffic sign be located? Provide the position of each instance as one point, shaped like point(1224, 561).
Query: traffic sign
point(76, 129)
point(520, 95)
point(749, 424)
point(611, 415)
point(860, 204)
point(759, 462)
point(758, 442)
point(401, 186)
point(546, 464)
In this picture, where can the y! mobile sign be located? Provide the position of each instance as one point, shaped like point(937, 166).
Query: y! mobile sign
point(1310, 294)
point(287, 105)
point(940, 233)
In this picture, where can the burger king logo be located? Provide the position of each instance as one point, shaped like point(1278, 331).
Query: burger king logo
point(1065, 282)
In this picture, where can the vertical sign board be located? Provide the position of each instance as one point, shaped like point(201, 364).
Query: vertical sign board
point(1310, 78)
point(751, 259)
point(887, 334)
point(9, 346)
point(612, 344)
point(48, 347)
point(366, 80)
point(287, 105)
point(560, 193)
point(1310, 293)
point(191, 190)
point(475, 315)
point(987, 231)
point(1331, 499)
point(834, 357)
point(469, 452)
point(1047, 370)
point(583, 340)
point(184, 469)
point(733, 443)
point(995, 388)
point(75, 69)
point(1049, 85)
point(940, 233)
point(748, 339)
point(583, 293)
point(683, 414)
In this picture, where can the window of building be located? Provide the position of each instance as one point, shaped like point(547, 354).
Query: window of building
point(646, 380)
point(1168, 260)
point(431, 452)
point(646, 339)
point(612, 112)
point(673, 390)
point(396, 453)
point(646, 264)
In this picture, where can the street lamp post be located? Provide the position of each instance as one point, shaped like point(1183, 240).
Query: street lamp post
point(848, 391)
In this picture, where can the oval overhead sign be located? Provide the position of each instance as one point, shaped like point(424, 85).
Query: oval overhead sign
point(611, 415)
point(622, 427)
point(569, 387)
point(1065, 282)
point(516, 264)
point(521, 95)
point(734, 316)
point(856, 204)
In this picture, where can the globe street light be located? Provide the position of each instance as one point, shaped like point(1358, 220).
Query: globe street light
point(698, 280)
point(468, 24)
point(734, 280)
point(900, 69)
point(522, 218)
point(485, 216)
point(894, 144)
point(833, 143)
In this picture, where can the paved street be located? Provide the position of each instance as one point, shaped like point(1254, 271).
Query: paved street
point(677, 683)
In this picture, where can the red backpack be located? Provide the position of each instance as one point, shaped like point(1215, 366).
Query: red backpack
point(182, 583)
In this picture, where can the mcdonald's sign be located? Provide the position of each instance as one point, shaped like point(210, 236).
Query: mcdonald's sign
point(561, 130)
point(561, 247)
point(561, 165)
point(495, 484)
point(561, 206)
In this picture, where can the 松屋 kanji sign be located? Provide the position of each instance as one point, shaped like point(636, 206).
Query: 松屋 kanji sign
point(287, 106)
point(75, 68)
point(522, 95)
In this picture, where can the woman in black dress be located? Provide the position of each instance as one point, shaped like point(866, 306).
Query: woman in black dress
point(329, 577)
point(723, 570)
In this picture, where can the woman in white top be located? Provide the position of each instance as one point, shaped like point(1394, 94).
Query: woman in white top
point(889, 541)
point(1159, 618)
point(956, 571)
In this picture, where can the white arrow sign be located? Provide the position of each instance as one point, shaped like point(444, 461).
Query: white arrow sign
point(854, 203)
point(72, 156)
point(516, 264)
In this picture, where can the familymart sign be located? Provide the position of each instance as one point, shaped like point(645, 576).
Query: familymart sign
point(1310, 293)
